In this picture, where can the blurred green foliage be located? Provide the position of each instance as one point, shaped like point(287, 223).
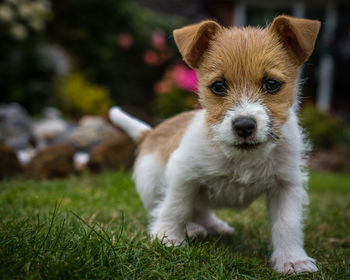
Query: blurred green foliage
point(25, 75)
point(90, 31)
point(324, 129)
point(79, 96)
point(170, 104)
point(176, 91)
point(111, 42)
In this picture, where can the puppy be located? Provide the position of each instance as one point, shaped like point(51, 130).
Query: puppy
point(244, 142)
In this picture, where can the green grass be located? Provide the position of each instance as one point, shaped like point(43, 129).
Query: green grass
point(94, 227)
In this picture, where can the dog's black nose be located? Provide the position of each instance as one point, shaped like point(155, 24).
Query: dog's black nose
point(244, 126)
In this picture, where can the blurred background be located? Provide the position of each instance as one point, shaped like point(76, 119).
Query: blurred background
point(63, 63)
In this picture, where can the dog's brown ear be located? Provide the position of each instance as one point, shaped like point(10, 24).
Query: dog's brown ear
point(297, 35)
point(193, 40)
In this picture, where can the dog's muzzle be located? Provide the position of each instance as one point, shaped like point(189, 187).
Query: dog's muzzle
point(244, 127)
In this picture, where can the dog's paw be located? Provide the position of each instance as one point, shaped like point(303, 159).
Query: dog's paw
point(168, 240)
point(221, 227)
point(172, 241)
point(196, 230)
point(294, 265)
point(167, 237)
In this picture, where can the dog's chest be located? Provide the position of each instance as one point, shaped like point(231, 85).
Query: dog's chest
point(221, 193)
point(237, 187)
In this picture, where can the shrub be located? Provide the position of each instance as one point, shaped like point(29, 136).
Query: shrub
point(79, 97)
point(20, 20)
point(26, 76)
point(325, 130)
point(175, 93)
point(170, 104)
point(117, 43)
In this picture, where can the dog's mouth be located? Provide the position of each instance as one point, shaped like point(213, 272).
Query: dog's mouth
point(247, 146)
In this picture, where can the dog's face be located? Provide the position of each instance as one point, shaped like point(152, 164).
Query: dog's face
point(247, 77)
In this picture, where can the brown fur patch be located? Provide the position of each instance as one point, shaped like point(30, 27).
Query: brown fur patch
point(166, 137)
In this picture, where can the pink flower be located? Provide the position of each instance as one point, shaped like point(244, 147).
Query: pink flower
point(125, 41)
point(162, 87)
point(185, 78)
point(158, 40)
point(151, 58)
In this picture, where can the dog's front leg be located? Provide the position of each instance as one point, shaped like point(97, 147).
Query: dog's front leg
point(173, 212)
point(285, 206)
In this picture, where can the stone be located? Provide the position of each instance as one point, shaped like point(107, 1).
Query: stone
point(51, 128)
point(90, 132)
point(16, 129)
point(9, 163)
point(51, 162)
point(80, 160)
point(112, 153)
point(26, 155)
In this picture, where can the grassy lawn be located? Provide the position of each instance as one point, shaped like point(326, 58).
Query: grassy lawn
point(94, 227)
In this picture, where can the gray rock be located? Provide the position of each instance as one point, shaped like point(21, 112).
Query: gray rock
point(51, 128)
point(16, 127)
point(90, 132)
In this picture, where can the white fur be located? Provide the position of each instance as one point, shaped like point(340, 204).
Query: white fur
point(204, 174)
point(133, 127)
point(149, 178)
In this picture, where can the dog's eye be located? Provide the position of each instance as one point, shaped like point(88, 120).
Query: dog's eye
point(218, 88)
point(271, 86)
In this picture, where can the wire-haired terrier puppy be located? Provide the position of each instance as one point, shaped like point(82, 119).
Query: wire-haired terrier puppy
point(245, 142)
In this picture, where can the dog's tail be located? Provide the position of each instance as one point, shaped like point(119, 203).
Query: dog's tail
point(135, 128)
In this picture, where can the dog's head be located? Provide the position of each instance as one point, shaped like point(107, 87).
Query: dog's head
point(248, 78)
